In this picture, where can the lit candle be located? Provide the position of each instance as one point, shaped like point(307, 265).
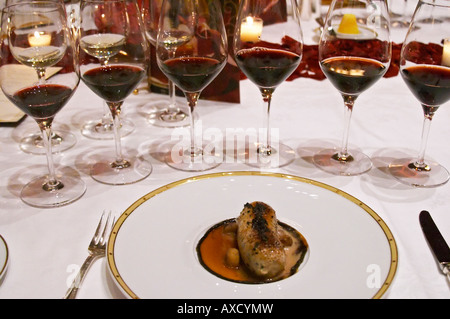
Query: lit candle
point(446, 53)
point(251, 29)
point(38, 39)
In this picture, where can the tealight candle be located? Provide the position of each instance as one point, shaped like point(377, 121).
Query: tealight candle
point(446, 53)
point(38, 39)
point(251, 29)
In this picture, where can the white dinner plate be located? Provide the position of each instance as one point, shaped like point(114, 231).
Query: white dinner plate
point(4, 257)
point(152, 248)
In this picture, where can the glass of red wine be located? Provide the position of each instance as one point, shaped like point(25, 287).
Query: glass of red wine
point(191, 50)
point(162, 113)
point(425, 68)
point(102, 127)
point(113, 60)
point(354, 53)
point(267, 48)
point(36, 41)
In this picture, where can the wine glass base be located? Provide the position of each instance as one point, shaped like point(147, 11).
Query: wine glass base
point(405, 172)
point(98, 130)
point(34, 144)
point(358, 163)
point(280, 155)
point(35, 195)
point(181, 159)
point(106, 171)
point(168, 118)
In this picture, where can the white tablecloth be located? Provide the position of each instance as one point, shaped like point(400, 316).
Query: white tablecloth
point(46, 245)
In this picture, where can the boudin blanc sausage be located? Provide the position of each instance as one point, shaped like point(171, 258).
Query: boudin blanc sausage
point(259, 244)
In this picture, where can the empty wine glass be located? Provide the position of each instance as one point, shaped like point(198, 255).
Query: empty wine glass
point(354, 53)
point(35, 40)
point(168, 113)
point(267, 53)
point(191, 50)
point(113, 60)
point(425, 68)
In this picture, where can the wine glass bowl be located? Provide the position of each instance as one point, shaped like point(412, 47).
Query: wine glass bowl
point(191, 50)
point(425, 69)
point(267, 53)
point(35, 41)
point(113, 61)
point(354, 53)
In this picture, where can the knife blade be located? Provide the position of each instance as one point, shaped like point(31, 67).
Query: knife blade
point(437, 243)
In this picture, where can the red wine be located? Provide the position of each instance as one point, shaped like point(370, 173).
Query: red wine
point(113, 83)
point(352, 75)
point(265, 67)
point(191, 74)
point(430, 84)
point(42, 101)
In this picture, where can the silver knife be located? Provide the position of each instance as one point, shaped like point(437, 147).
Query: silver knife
point(436, 241)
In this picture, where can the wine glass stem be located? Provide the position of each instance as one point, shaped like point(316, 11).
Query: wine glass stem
point(41, 75)
point(266, 147)
point(192, 99)
point(172, 105)
point(349, 102)
point(106, 118)
point(115, 112)
point(171, 85)
point(52, 182)
point(420, 162)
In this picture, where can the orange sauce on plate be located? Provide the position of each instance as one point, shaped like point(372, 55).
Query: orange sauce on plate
point(213, 247)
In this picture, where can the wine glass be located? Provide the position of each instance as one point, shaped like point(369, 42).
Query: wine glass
point(425, 68)
point(167, 114)
point(32, 142)
point(24, 82)
point(113, 61)
point(191, 50)
point(354, 53)
point(102, 128)
point(267, 53)
point(397, 13)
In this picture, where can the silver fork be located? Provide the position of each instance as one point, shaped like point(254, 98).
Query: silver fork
point(97, 249)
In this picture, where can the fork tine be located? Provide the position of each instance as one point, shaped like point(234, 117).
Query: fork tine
point(98, 232)
point(106, 228)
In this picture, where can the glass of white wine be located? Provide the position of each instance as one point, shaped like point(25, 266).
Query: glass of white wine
point(167, 113)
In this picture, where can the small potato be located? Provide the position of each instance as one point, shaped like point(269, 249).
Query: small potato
point(232, 258)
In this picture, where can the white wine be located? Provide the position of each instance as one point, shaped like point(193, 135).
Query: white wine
point(102, 45)
point(39, 57)
point(174, 38)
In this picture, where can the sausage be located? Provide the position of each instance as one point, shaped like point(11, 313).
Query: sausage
point(260, 247)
